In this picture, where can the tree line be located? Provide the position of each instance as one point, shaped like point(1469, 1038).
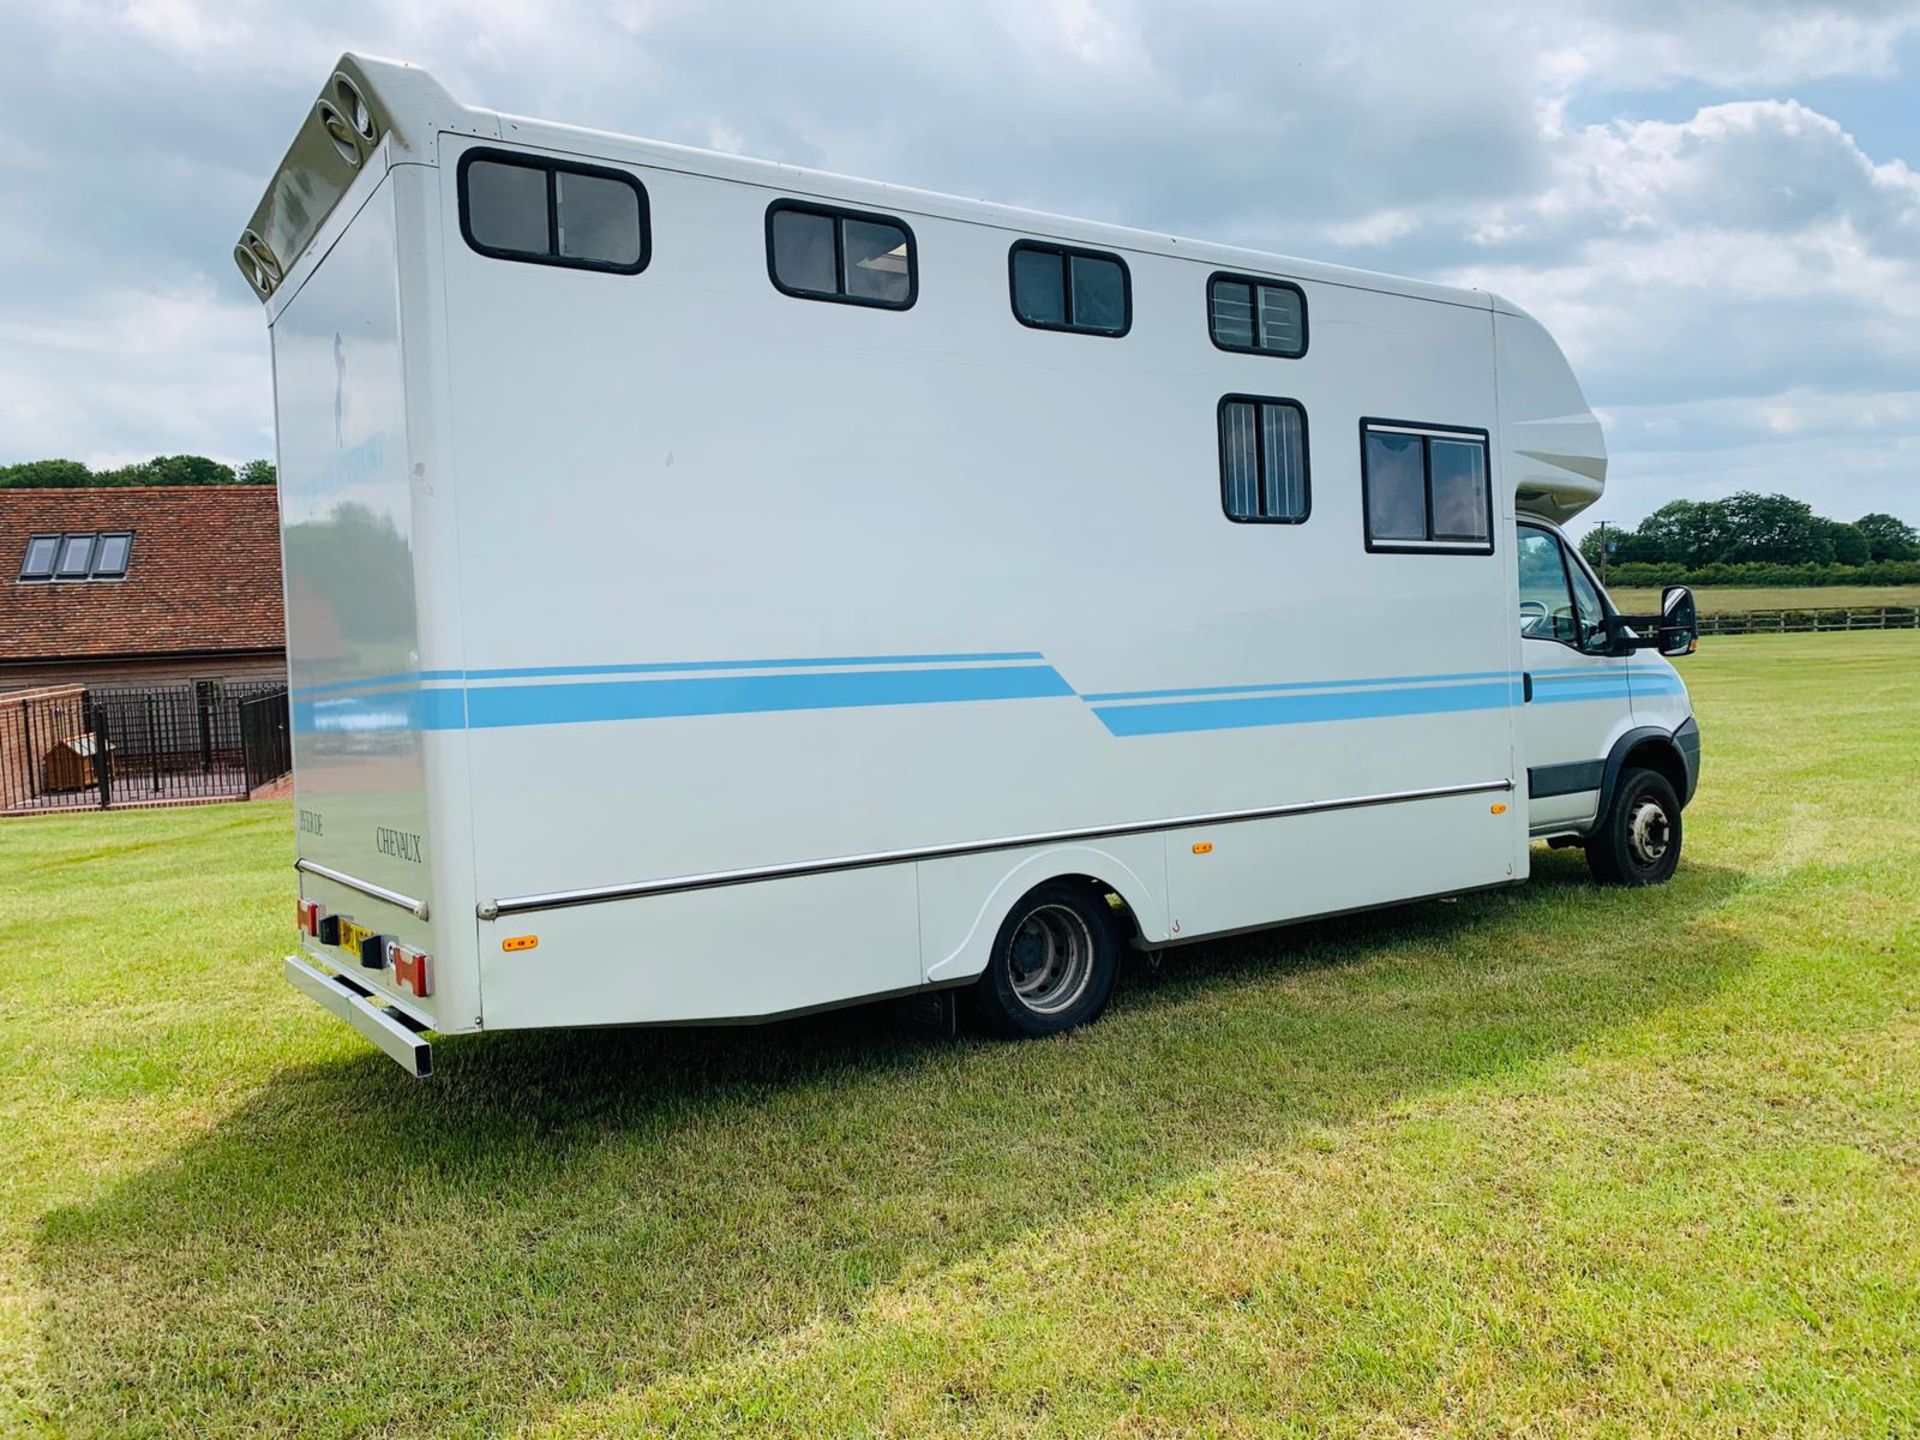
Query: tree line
point(1746, 538)
point(161, 470)
point(1752, 529)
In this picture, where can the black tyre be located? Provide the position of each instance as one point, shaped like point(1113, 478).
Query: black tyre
point(1637, 842)
point(1053, 962)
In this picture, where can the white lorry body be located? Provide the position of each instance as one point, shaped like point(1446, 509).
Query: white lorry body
point(669, 647)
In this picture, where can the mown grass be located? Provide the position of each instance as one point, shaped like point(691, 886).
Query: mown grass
point(1553, 1160)
point(1736, 599)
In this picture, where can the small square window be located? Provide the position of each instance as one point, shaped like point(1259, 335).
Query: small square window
point(598, 218)
point(1263, 460)
point(1099, 294)
point(76, 557)
point(507, 206)
point(1039, 287)
point(875, 261)
point(1054, 288)
point(1260, 317)
point(38, 561)
point(803, 251)
point(1427, 488)
point(816, 253)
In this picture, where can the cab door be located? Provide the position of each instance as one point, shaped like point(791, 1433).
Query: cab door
point(1575, 694)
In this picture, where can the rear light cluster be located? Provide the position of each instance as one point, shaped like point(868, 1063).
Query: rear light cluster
point(412, 969)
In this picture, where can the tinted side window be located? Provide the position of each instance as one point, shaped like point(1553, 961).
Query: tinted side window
point(1263, 460)
point(506, 206)
point(1396, 487)
point(803, 251)
point(1039, 286)
point(1427, 488)
point(1557, 600)
point(1457, 475)
point(875, 261)
point(1546, 605)
point(545, 212)
point(1057, 288)
point(819, 253)
point(595, 218)
point(1263, 317)
point(1587, 604)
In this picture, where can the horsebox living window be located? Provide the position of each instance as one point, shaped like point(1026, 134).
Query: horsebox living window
point(1263, 460)
point(515, 206)
point(1426, 488)
point(1259, 317)
point(1058, 288)
point(817, 252)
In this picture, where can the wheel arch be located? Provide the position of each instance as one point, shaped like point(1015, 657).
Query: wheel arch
point(1646, 747)
point(1143, 918)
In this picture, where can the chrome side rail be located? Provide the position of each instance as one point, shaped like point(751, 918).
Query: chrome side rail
point(365, 887)
point(559, 899)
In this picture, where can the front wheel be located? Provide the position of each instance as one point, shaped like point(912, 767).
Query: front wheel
point(1638, 841)
point(1053, 962)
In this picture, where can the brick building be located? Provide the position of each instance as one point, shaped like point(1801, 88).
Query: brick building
point(146, 584)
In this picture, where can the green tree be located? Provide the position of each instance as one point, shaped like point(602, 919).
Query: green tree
point(257, 472)
point(170, 470)
point(45, 474)
point(1888, 537)
point(1681, 532)
point(1844, 544)
point(1775, 528)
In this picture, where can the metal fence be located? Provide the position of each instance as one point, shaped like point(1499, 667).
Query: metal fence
point(1816, 618)
point(266, 738)
point(131, 745)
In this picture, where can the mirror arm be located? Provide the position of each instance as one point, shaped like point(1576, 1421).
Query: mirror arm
point(1621, 643)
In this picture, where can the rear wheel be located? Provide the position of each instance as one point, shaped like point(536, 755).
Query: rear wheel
point(1053, 962)
point(1638, 841)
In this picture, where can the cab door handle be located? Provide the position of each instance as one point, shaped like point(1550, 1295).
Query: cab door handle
point(1526, 687)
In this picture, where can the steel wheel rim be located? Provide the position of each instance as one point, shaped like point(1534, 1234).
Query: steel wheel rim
point(1050, 959)
point(1649, 832)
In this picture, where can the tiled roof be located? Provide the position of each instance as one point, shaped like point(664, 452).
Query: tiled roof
point(204, 573)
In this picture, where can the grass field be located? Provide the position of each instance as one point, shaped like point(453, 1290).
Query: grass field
point(1717, 600)
point(1546, 1161)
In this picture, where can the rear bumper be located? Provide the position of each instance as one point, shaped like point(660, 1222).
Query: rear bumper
point(384, 1027)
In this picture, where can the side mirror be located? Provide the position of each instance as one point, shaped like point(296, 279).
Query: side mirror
point(1679, 621)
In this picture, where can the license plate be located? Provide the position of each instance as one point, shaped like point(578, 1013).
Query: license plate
point(351, 935)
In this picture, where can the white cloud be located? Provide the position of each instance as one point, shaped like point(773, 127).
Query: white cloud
point(129, 372)
point(1745, 277)
point(1752, 250)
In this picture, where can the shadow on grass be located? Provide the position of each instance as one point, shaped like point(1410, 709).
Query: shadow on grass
point(564, 1213)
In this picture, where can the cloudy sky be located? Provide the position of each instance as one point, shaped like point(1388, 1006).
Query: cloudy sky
point(1709, 202)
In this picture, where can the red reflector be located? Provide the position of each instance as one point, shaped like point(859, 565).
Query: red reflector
point(412, 969)
point(310, 912)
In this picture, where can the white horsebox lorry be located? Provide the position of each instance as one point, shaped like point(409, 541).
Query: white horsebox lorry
point(718, 590)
